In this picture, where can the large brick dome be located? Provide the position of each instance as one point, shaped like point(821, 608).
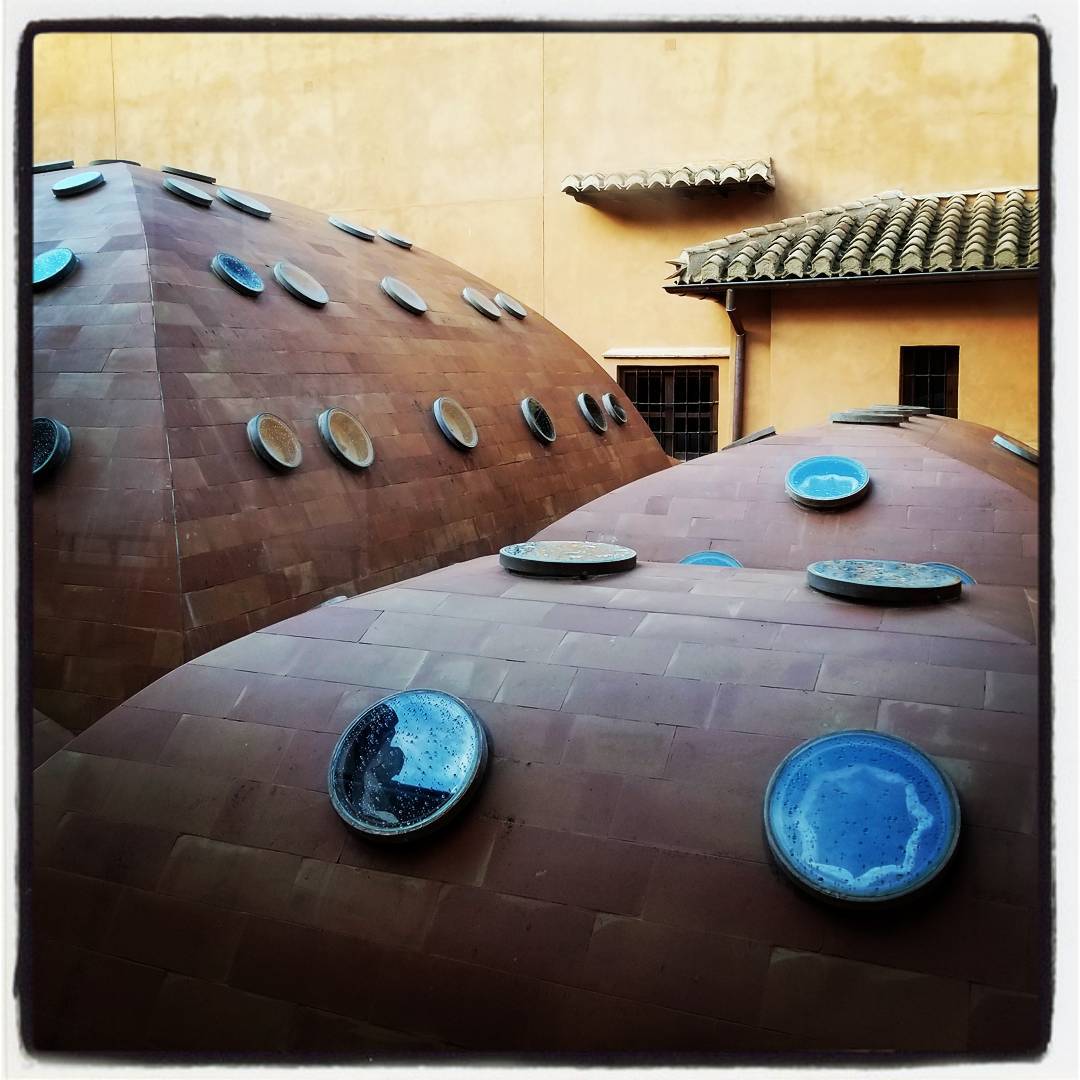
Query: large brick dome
point(163, 535)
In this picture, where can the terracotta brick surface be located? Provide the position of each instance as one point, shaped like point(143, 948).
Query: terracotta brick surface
point(157, 394)
point(609, 889)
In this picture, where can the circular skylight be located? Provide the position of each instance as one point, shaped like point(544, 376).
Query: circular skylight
point(401, 294)
point(538, 419)
point(455, 423)
point(188, 192)
point(861, 817)
point(352, 230)
point(113, 161)
point(827, 482)
point(407, 764)
point(508, 303)
point(711, 558)
point(865, 416)
point(301, 284)
point(1020, 449)
point(77, 184)
point(237, 273)
point(393, 238)
point(614, 408)
point(189, 174)
point(245, 203)
point(883, 581)
point(51, 267)
point(592, 412)
point(274, 441)
point(963, 575)
point(566, 558)
point(475, 298)
point(50, 445)
point(764, 433)
point(903, 410)
point(346, 437)
point(56, 166)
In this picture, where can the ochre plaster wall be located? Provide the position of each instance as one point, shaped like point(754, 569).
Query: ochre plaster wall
point(839, 347)
point(461, 141)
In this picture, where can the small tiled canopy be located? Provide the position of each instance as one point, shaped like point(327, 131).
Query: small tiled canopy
point(941, 491)
point(610, 890)
point(163, 535)
point(891, 235)
point(720, 177)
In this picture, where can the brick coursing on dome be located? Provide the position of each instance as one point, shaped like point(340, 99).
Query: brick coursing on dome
point(888, 235)
point(719, 177)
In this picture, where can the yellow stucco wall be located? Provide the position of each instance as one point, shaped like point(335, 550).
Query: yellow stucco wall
point(461, 141)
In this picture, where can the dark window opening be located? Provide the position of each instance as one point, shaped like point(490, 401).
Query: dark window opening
point(929, 376)
point(679, 405)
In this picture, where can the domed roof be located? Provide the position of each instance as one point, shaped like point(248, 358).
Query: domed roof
point(163, 535)
point(609, 890)
point(940, 490)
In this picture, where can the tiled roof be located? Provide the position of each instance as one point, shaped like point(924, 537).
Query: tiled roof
point(715, 176)
point(942, 492)
point(887, 235)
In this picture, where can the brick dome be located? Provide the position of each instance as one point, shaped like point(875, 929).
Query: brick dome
point(941, 491)
point(163, 535)
point(610, 889)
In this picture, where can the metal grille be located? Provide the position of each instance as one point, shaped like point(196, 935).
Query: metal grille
point(679, 404)
point(929, 376)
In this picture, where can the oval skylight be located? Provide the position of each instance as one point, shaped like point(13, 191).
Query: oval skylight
point(963, 575)
point(55, 166)
point(401, 294)
point(51, 267)
point(407, 764)
point(77, 184)
point(827, 482)
point(566, 558)
point(274, 441)
point(176, 171)
point(508, 303)
point(393, 238)
point(538, 420)
point(113, 161)
point(301, 284)
point(455, 423)
point(711, 558)
point(763, 433)
point(592, 412)
point(187, 192)
point(353, 230)
point(866, 416)
point(1020, 449)
point(861, 817)
point(883, 581)
point(904, 410)
point(237, 273)
point(475, 298)
point(245, 203)
point(346, 438)
point(50, 445)
point(614, 408)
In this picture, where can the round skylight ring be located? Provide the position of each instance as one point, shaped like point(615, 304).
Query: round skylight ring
point(509, 304)
point(883, 581)
point(1020, 449)
point(594, 415)
point(613, 407)
point(383, 825)
point(827, 482)
point(754, 436)
point(476, 299)
point(53, 266)
point(711, 558)
point(353, 230)
point(264, 427)
point(54, 166)
point(794, 847)
point(175, 170)
point(542, 426)
point(244, 203)
point(403, 295)
point(77, 184)
point(960, 572)
point(114, 161)
point(236, 274)
point(455, 423)
point(50, 445)
point(342, 431)
point(865, 416)
point(566, 558)
point(187, 192)
point(301, 284)
point(393, 238)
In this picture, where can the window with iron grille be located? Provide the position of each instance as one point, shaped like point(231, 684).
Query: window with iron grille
point(929, 375)
point(679, 404)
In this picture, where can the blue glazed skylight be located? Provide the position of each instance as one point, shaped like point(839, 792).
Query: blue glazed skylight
point(566, 558)
point(827, 482)
point(237, 273)
point(77, 184)
point(883, 581)
point(860, 816)
point(51, 267)
point(711, 558)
